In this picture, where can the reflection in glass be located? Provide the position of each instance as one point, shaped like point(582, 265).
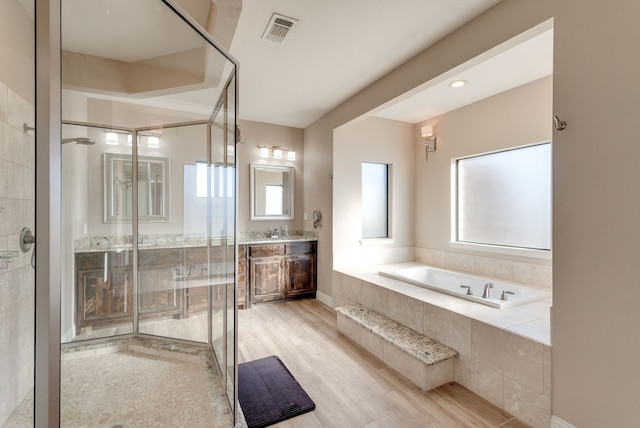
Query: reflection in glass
point(135, 266)
point(153, 195)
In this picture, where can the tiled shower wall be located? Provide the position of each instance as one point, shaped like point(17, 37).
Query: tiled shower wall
point(17, 210)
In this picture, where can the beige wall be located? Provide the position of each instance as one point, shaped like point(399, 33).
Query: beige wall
point(256, 134)
point(17, 36)
point(513, 118)
point(596, 212)
point(184, 145)
point(380, 141)
point(596, 372)
point(502, 22)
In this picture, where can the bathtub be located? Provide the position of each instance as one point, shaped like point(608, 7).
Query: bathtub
point(455, 284)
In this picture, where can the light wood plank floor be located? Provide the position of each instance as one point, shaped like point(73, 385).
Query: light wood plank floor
point(351, 388)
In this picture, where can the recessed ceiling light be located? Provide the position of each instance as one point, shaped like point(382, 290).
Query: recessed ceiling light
point(458, 83)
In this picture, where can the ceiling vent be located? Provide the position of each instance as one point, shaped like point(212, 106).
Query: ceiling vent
point(278, 28)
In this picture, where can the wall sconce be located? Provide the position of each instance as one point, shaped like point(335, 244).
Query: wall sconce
point(430, 140)
point(276, 153)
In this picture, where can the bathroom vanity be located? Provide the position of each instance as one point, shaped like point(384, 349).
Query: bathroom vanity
point(172, 282)
point(175, 275)
point(280, 269)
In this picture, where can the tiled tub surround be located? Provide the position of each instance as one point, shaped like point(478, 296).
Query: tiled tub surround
point(533, 274)
point(424, 361)
point(504, 354)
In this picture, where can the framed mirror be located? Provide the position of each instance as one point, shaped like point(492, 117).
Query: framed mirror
point(153, 188)
point(271, 190)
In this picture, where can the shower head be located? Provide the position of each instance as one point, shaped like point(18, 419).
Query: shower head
point(80, 140)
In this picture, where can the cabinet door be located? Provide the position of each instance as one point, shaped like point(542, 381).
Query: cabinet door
point(242, 281)
point(266, 278)
point(158, 291)
point(104, 300)
point(300, 274)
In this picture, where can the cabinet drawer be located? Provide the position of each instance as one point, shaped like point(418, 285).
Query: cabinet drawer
point(266, 250)
point(163, 256)
point(300, 247)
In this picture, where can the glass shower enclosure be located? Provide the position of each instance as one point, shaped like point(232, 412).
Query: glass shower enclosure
point(148, 199)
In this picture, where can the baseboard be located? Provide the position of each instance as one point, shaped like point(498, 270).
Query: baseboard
point(324, 298)
point(556, 422)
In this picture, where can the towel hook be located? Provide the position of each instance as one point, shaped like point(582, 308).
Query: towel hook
point(558, 124)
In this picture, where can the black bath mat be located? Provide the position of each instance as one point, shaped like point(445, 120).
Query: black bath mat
point(269, 394)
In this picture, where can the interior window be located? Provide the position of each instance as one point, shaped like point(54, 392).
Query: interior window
point(375, 197)
point(504, 198)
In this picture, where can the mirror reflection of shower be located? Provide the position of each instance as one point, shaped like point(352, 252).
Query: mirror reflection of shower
point(80, 140)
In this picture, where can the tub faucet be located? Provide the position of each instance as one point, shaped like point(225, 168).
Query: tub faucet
point(488, 286)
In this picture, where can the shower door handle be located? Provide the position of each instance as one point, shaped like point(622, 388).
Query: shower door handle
point(27, 240)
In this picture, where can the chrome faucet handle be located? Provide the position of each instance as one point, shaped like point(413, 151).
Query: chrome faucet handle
point(504, 295)
point(468, 287)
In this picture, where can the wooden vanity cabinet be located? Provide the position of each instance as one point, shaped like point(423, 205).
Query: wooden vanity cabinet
point(241, 278)
point(172, 282)
point(104, 288)
point(300, 268)
point(282, 270)
point(159, 293)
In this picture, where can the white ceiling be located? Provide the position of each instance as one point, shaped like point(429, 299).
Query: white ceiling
point(505, 67)
point(336, 49)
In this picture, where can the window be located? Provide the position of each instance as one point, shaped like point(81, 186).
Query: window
point(375, 206)
point(274, 198)
point(503, 199)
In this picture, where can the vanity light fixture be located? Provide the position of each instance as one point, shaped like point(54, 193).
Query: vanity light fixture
point(153, 142)
point(430, 140)
point(457, 83)
point(277, 152)
point(111, 139)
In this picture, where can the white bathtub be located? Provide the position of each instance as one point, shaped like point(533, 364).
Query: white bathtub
point(450, 282)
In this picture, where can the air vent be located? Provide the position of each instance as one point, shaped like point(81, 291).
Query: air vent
point(278, 28)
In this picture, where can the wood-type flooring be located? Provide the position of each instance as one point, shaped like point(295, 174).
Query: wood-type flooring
point(351, 388)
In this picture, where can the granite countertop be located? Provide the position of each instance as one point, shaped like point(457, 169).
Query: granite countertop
point(172, 240)
point(420, 346)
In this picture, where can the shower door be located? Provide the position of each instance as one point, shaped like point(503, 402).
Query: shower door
point(148, 194)
point(17, 211)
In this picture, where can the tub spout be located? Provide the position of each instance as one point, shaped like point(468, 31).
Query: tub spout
point(488, 286)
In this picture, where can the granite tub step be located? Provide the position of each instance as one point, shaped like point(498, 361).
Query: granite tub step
point(424, 361)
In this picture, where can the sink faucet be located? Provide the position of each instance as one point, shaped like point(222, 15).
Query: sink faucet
point(488, 286)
